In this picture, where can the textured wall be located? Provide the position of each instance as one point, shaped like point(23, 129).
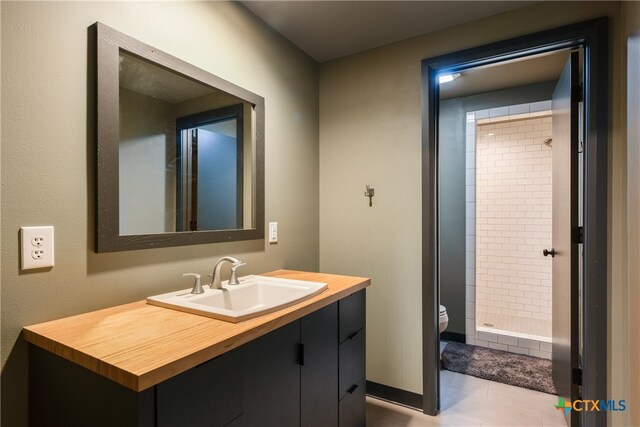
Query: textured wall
point(627, 358)
point(48, 149)
point(146, 175)
point(370, 133)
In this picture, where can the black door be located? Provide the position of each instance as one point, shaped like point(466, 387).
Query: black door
point(565, 222)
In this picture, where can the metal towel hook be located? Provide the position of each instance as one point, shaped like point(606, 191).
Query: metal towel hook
point(369, 192)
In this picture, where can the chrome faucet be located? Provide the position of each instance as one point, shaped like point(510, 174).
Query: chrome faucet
point(216, 282)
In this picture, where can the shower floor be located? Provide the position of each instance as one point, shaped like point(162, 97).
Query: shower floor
point(521, 327)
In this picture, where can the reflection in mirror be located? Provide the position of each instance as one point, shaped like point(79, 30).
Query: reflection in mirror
point(180, 151)
point(210, 170)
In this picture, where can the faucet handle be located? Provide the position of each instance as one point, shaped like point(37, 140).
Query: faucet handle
point(197, 286)
point(233, 280)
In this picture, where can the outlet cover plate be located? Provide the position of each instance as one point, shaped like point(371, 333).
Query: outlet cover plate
point(273, 232)
point(36, 247)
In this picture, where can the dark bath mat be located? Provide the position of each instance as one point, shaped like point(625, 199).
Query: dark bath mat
point(520, 370)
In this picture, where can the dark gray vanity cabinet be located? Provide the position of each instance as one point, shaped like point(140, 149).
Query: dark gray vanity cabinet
point(271, 372)
point(324, 366)
point(209, 394)
point(62, 393)
point(319, 368)
point(351, 350)
point(309, 373)
point(291, 374)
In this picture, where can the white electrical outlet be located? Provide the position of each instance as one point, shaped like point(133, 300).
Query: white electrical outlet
point(37, 247)
point(273, 232)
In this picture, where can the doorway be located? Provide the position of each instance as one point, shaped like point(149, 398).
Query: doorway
point(209, 170)
point(591, 37)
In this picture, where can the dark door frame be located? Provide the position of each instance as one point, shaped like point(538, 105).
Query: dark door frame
point(592, 36)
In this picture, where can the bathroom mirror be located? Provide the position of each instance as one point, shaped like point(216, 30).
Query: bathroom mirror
point(180, 152)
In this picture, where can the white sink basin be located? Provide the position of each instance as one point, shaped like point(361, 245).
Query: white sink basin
point(253, 297)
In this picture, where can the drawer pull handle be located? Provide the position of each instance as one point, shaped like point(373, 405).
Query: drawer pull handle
point(300, 354)
point(352, 388)
point(352, 335)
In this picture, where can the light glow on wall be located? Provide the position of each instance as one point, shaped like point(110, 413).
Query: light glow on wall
point(446, 78)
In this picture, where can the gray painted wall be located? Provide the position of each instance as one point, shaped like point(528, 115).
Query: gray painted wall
point(44, 98)
point(370, 131)
point(452, 187)
point(44, 122)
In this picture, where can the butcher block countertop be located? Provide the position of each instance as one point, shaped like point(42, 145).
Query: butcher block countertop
point(139, 345)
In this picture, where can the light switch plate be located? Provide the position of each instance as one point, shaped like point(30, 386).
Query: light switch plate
point(273, 232)
point(36, 247)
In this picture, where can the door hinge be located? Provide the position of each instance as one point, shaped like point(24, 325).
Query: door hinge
point(194, 143)
point(579, 93)
point(577, 234)
point(576, 376)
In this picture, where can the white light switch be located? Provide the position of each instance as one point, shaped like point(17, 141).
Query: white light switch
point(273, 232)
point(37, 247)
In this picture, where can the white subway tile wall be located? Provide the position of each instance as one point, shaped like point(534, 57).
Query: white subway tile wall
point(530, 291)
point(513, 218)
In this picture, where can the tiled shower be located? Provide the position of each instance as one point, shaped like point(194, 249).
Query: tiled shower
point(508, 211)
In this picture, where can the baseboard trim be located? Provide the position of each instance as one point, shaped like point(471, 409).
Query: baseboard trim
point(453, 336)
point(392, 394)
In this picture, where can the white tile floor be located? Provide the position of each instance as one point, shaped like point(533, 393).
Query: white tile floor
point(471, 401)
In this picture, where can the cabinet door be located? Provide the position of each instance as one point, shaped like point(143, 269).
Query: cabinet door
point(272, 378)
point(62, 393)
point(207, 395)
point(319, 371)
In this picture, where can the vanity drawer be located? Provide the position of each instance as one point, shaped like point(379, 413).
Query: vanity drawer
point(352, 408)
point(351, 363)
point(351, 315)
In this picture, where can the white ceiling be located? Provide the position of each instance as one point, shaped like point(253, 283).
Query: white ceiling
point(327, 30)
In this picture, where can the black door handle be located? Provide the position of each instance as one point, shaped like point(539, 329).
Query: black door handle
point(551, 252)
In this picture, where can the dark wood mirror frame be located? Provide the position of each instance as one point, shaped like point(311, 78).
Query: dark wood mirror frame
point(109, 42)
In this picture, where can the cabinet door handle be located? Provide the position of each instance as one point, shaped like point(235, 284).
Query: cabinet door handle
point(301, 354)
point(352, 388)
point(352, 335)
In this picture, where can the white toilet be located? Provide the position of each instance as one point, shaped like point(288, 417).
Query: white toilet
point(444, 319)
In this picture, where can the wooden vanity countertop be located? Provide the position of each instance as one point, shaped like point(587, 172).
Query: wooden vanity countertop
point(139, 345)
